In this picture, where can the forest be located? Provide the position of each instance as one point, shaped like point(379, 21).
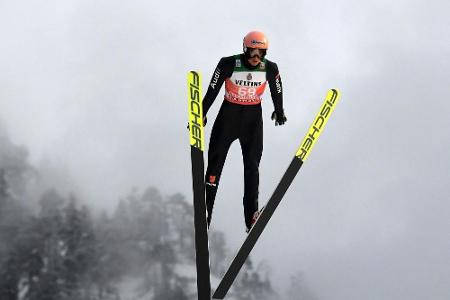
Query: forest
point(54, 246)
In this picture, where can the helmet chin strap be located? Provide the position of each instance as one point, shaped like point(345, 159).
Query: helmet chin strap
point(246, 54)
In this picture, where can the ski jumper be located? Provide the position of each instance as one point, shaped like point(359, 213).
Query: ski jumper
point(239, 118)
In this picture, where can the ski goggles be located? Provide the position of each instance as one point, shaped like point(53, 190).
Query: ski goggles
point(254, 52)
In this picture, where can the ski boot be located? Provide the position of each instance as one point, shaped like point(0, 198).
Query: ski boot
point(255, 217)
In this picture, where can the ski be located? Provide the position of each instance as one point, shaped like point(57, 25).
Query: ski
point(198, 185)
point(300, 157)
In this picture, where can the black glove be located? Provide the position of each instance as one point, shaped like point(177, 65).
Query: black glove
point(205, 120)
point(279, 118)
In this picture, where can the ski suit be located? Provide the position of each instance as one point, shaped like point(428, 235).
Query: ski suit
point(239, 118)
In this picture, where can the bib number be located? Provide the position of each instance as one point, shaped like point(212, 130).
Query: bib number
point(246, 92)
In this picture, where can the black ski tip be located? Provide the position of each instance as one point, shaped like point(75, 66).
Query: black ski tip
point(221, 290)
point(218, 295)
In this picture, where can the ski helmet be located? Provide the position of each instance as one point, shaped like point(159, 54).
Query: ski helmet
point(255, 40)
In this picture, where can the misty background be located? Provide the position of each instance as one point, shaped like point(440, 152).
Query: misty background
point(96, 93)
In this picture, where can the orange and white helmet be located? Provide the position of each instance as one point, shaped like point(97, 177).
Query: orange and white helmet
point(255, 40)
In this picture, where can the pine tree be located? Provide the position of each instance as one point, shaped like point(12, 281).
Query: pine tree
point(12, 217)
point(253, 284)
point(110, 265)
point(217, 250)
point(42, 251)
point(181, 222)
point(77, 250)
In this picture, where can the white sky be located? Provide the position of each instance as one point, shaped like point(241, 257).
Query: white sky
point(99, 88)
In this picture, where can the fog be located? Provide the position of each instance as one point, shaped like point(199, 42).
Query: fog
point(97, 88)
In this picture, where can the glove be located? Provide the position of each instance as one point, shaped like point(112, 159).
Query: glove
point(205, 120)
point(279, 118)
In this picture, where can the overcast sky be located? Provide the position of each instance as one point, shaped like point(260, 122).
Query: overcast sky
point(98, 88)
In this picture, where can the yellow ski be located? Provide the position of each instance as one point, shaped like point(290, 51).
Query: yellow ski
point(196, 134)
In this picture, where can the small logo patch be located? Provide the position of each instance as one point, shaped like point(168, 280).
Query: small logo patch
point(238, 63)
point(249, 76)
point(255, 42)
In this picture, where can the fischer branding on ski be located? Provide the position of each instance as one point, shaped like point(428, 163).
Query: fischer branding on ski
point(195, 108)
point(319, 123)
point(301, 155)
